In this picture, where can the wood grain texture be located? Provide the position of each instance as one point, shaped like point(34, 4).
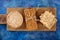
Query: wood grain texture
point(38, 12)
point(2, 18)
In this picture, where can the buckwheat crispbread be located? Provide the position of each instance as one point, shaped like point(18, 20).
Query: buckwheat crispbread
point(48, 19)
point(30, 19)
point(14, 19)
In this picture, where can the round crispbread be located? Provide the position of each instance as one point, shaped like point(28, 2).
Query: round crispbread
point(14, 19)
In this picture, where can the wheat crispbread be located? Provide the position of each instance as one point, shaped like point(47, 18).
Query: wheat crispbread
point(48, 19)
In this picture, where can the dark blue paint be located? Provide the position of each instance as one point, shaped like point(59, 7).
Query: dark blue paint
point(21, 35)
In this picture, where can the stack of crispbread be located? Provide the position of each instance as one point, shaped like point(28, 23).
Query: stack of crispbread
point(48, 19)
point(30, 18)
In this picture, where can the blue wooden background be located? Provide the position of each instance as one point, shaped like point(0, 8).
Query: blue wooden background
point(22, 35)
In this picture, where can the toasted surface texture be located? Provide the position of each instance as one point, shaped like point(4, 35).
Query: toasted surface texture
point(14, 19)
point(30, 19)
point(48, 19)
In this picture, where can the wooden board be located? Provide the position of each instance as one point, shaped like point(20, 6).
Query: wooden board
point(38, 26)
point(2, 18)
